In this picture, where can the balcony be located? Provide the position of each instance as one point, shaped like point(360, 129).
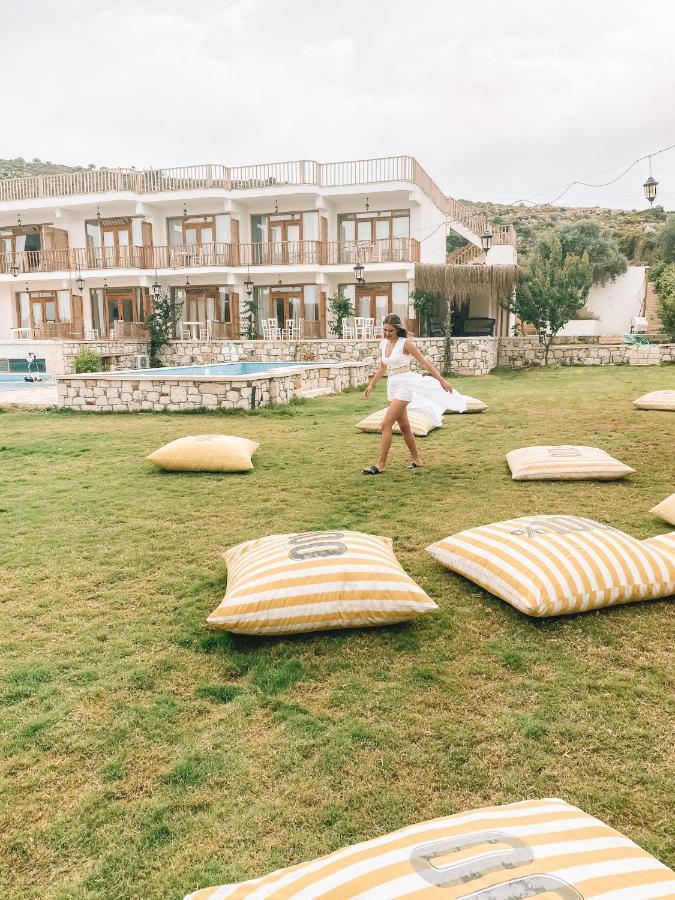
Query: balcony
point(281, 253)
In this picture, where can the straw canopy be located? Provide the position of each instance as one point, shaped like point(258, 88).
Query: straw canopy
point(459, 283)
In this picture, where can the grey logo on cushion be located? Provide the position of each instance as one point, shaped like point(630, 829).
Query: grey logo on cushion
point(560, 525)
point(316, 544)
point(563, 451)
point(519, 854)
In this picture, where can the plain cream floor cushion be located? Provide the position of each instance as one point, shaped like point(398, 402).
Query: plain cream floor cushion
point(536, 848)
point(473, 405)
point(656, 400)
point(555, 565)
point(665, 543)
point(421, 425)
point(314, 581)
point(566, 463)
point(665, 509)
point(206, 453)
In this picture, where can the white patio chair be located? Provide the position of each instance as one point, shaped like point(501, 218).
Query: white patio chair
point(377, 330)
point(348, 330)
point(291, 332)
point(185, 333)
point(369, 328)
point(91, 334)
point(274, 330)
point(359, 326)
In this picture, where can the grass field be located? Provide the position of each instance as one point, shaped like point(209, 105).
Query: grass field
point(142, 756)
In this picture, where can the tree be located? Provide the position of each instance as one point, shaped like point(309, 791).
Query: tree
point(665, 240)
point(425, 302)
point(161, 325)
point(553, 288)
point(665, 288)
point(606, 259)
point(454, 241)
point(340, 308)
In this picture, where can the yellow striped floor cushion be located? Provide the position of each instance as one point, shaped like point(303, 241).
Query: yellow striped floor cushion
point(665, 509)
point(315, 581)
point(566, 463)
point(421, 425)
point(664, 543)
point(656, 400)
point(472, 405)
point(546, 849)
point(206, 453)
point(555, 565)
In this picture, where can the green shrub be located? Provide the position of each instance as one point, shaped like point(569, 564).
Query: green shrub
point(87, 361)
point(665, 288)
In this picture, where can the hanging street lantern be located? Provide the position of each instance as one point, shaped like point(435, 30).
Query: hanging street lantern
point(156, 289)
point(650, 186)
point(486, 240)
point(14, 269)
point(367, 204)
point(248, 284)
point(79, 280)
point(358, 273)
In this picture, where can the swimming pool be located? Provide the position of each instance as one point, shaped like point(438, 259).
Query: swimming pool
point(16, 381)
point(229, 369)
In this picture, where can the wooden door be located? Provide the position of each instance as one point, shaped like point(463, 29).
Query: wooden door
point(115, 243)
point(322, 314)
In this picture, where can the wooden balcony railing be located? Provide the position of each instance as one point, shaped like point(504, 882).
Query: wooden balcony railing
point(381, 251)
point(504, 234)
point(287, 253)
point(282, 253)
point(238, 178)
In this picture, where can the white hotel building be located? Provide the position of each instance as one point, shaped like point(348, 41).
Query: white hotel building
point(80, 252)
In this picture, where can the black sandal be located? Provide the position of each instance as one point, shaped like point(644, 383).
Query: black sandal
point(372, 470)
point(414, 465)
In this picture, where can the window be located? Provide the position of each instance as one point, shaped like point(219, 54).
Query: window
point(374, 226)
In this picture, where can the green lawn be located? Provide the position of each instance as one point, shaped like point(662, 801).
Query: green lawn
point(142, 756)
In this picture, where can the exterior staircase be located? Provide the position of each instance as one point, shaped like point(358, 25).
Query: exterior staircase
point(469, 225)
point(651, 305)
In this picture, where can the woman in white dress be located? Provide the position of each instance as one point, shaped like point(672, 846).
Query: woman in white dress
point(407, 390)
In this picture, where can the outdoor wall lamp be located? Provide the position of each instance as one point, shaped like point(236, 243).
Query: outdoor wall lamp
point(14, 269)
point(486, 240)
point(358, 273)
point(156, 289)
point(248, 286)
point(79, 281)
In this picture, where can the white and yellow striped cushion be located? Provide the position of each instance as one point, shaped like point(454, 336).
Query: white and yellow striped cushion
point(664, 543)
point(537, 848)
point(565, 463)
point(421, 425)
point(555, 565)
point(315, 581)
point(472, 405)
point(665, 509)
point(206, 453)
point(656, 400)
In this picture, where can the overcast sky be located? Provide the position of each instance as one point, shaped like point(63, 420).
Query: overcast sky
point(498, 99)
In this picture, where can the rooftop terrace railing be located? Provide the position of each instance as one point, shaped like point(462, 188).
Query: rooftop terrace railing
point(236, 178)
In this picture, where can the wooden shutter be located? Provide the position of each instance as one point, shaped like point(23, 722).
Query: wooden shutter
point(77, 322)
point(234, 241)
point(54, 238)
point(234, 315)
point(322, 314)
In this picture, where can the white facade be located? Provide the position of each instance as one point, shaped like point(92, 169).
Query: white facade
point(295, 230)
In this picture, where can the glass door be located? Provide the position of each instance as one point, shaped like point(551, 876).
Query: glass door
point(116, 240)
point(374, 303)
point(119, 307)
point(285, 241)
point(286, 306)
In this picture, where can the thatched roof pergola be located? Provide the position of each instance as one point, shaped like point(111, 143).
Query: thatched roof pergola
point(459, 283)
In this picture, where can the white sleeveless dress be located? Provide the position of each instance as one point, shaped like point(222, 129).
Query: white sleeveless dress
point(423, 395)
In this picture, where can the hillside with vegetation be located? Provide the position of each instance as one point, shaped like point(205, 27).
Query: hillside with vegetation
point(22, 168)
point(635, 230)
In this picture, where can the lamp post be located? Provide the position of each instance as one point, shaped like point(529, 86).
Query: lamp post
point(650, 186)
point(486, 240)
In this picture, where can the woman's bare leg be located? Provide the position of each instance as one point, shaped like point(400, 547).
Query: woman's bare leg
point(408, 436)
point(394, 411)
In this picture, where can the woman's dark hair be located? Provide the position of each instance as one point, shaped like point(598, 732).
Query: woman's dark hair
point(396, 323)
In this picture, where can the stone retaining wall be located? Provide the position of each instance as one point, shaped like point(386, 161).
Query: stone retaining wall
point(119, 353)
point(470, 356)
point(521, 352)
point(113, 392)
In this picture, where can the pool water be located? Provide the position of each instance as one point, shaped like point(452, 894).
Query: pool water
point(245, 368)
point(16, 382)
